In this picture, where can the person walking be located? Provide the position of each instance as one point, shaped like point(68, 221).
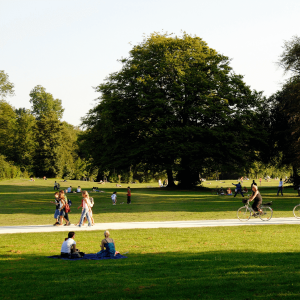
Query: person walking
point(280, 187)
point(114, 198)
point(85, 209)
point(238, 189)
point(128, 195)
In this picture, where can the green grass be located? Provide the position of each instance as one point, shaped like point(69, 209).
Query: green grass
point(252, 262)
point(23, 202)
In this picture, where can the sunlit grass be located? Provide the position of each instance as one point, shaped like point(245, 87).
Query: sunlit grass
point(189, 263)
point(24, 203)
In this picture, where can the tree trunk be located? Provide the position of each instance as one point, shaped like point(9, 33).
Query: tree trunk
point(170, 178)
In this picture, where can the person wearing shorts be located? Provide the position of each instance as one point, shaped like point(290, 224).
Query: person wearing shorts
point(114, 198)
point(256, 197)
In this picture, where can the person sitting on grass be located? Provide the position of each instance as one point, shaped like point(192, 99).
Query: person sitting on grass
point(228, 191)
point(245, 190)
point(79, 189)
point(108, 248)
point(68, 248)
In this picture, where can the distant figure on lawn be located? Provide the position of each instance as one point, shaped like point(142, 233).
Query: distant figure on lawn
point(128, 195)
point(68, 247)
point(108, 248)
point(56, 186)
point(238, 189)
point(280, 187)
point(114, 198)
point(78, 189)
point(229, 192)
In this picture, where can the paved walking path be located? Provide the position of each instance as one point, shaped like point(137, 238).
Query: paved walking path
point(134, 225)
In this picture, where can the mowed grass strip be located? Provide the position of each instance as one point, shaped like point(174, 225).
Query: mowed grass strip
point(252, 262)
point(28, 203)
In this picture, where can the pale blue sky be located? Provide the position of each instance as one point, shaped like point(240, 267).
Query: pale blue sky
point(69, 46)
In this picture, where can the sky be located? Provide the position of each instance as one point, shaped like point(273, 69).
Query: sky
point(71, 46)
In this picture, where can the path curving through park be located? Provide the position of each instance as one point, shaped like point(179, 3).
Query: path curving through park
point(145, 225)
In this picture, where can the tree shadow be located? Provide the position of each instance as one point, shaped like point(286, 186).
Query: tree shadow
point(163, 275)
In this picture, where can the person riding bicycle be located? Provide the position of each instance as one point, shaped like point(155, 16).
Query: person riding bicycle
point(256, 196)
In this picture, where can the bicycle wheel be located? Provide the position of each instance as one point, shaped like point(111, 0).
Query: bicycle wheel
point(296, 211)
point(243, 213)
point(267, 213)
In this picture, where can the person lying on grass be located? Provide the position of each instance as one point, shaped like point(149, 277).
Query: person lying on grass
point(68, 248)
point(108, 248)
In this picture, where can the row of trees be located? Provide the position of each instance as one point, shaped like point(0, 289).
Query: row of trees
point(176, 109)
point(36, 142)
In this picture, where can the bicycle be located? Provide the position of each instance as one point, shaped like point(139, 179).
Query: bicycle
point(296, 211)
point(244, 213)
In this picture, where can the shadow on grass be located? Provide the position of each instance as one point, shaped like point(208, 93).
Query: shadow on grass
point(171, 275)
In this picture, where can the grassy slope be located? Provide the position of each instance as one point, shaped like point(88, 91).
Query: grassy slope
point(23, 203)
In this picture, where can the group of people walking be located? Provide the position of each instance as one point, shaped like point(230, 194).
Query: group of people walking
point(62, 209)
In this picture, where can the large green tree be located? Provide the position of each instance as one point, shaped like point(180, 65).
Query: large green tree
point(286, 109)
point(176, 104)
point(43, 103)
point(48, 141)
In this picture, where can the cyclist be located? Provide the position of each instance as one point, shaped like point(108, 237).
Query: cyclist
point(256, 196)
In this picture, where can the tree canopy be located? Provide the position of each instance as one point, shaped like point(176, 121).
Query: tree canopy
point(43, 103)
point(176, 104)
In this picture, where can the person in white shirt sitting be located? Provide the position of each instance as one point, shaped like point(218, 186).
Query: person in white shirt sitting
point(68, 248)
point(78, 189)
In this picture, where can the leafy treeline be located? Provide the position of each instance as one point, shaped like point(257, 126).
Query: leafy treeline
point(36, 142)
point(176, 110)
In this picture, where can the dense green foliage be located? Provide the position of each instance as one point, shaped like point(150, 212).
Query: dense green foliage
point(285, 116)
point(176, 105)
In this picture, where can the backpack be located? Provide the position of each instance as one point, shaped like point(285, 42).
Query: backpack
point(67, 208)
point(92, 201)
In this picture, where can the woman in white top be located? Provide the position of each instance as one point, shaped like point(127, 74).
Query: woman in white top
point(86, 205)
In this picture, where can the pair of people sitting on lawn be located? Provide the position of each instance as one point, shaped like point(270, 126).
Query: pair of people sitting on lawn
point(108, 249)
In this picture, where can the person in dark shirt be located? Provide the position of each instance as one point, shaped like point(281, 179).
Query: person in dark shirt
point(256, 197)
point(238, 189)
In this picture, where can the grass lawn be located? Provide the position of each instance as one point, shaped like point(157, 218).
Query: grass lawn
point(255, 262)
point(252, 262)
point(24, 202)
